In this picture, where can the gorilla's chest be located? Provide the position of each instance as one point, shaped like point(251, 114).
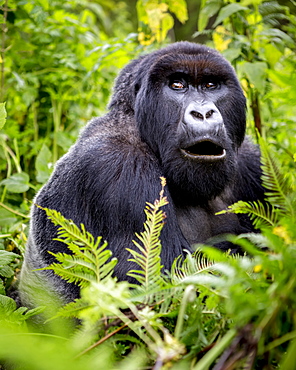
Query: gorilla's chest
point(199, 224)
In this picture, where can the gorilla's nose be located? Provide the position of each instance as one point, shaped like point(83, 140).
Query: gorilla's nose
point(203, 115)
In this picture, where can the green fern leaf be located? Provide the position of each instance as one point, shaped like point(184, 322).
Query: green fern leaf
point(148, 255)
point(72, 309)
point(88, 259)
point(277, 185)
point(277, 195)
point(71, 274)
point(262, 216)
point(193, 264)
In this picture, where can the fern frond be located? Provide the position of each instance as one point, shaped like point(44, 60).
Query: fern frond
point(277, 185)
point(88, 259)
point(68, 230)
point(278, 194)
point(261, 215)
point(72, 309)
point(193, 264)
point(72, 274)
point(148, 255)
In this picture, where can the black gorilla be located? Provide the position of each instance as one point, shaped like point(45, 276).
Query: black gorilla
point(178, 112)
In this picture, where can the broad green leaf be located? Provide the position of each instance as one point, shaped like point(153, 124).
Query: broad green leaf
point(63, 140)
point(142, 14)
point(227, 11)
point(2, 289)
point(44, 3)
point(210, 9)
point(231, 53)
point(43, 164)
point(250, 2)
point(179, 8)
point(7, 257)
point(166, 24)
point(281, 78)
point(220, 41)
point(6, 218)
point(6, 271)
point(272, 54)
point(17, 183)
point(7, 305)
point(3, 115)
point(256, 73)
point(278, 34)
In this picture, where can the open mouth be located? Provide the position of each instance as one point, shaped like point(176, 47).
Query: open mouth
point(206, 150)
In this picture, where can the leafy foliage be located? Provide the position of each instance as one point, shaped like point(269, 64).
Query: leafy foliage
point(261, 214)
point(148, 257)
point(58, 61)
point(6, 267)
point(278, 185)
point(280, 195)
point(88, 261)
point(193, 264)
point(155, 18)
point(239, 290)
point(11, 314)
point(236, 306)
point(55, 75)
point(236, 317)
point(258, 38)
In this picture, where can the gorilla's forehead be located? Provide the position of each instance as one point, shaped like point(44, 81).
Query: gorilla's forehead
point(196, 65)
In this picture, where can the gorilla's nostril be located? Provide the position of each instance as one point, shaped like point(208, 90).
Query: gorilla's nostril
point(209, 113)
point(196, 114)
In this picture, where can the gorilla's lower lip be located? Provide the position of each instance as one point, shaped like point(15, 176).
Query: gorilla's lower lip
point(206, 150)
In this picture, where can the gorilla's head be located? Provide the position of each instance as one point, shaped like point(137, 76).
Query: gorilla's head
point(190, 110)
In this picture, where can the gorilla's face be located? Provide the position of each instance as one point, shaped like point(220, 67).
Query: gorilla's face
point(190, 110)
point(201, 132)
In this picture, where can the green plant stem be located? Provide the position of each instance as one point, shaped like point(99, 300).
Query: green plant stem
point(279, 341)
point(268, 320)
point(211, 356)
point(289, 359)
point(13, 211)
point(13, 156)
point(57, 113)
point(35, 122)
point(157, 339)
point(4, 30)
point(187, 297)
point(8, 162)
point(102, 340)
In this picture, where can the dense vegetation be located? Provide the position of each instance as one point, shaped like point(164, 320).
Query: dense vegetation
point(58, 63)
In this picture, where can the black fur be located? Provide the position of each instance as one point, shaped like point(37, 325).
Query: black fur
point(107, 177)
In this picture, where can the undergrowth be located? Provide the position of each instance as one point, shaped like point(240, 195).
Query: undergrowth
point(213, 310)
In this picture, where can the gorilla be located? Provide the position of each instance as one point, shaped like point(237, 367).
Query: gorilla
point(179, 113)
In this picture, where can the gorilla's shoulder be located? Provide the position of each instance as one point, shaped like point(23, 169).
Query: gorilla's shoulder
point(115, 134)
point(248, 152)
point(112, 123)
point(250, 172)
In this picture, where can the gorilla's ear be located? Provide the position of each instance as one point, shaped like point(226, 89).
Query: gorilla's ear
point(126, 88)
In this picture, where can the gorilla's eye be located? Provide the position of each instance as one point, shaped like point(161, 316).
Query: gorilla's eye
point(210, 85)
point(178, 85)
